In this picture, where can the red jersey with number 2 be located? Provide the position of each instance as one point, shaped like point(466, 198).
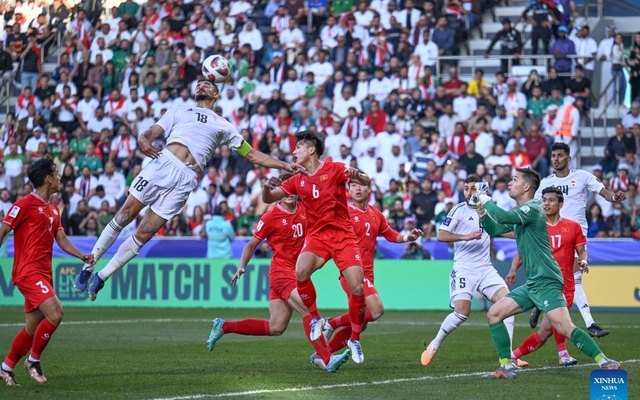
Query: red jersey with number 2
point(565, 236)
point(35, 223)
point(324, 196)
point(368, 224)
point(284, 231)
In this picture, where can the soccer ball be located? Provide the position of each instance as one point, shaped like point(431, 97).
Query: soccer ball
point(216, 68)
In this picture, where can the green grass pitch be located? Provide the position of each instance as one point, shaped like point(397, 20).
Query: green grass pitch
point(106, 353)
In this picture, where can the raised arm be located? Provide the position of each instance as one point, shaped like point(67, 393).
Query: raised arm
point(247, 252)
point(611, 196)
point(500, 216)
point(272, 191)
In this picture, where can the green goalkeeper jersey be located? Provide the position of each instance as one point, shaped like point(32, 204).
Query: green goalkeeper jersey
point(529, 224)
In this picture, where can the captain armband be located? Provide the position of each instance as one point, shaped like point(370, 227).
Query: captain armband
point(244, 148)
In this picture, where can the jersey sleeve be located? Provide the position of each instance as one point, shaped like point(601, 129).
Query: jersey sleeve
point(580, 239)
point(264, 228)
point(339, 171)
point(235, 141)
point(522, 215)
point(451, 221)
point(594, 184)
point(15, 216)
point(290, 186)
point(167, 121)
point(385, 230)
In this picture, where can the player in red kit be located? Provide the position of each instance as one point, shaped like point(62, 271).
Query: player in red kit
point(283, 227)
point(36, 223)
point(329, 231)
point(368, 222)
point(566, 239)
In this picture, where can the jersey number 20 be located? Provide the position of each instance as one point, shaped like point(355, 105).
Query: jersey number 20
point(297, 230)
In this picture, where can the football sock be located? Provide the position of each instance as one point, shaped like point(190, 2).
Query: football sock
point(19, 348)
point(126, 252)
point(357, 309)
point(307, 293)
point(580, 300)
point(585, 343)
point(339, 339)
point(450, 323)
point(530, 344)
point(319, 345)
point(41, 338)
point(337, 322)
point(501, 341)
point(561, 342)
point(510, 324)
point(104, 242)
point(250, 327)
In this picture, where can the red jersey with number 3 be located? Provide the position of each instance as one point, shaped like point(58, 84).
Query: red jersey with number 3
point(368, 224)
point(324, 196)
point(284, 231)
point(565, 236)
point(35, 223)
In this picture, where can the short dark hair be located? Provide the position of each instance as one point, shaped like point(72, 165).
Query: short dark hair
point(39, 170)
point(311, 139)
point(531, 176)
point(561, 146)
point(557, 191)
point(472, 179)
point(202, 80)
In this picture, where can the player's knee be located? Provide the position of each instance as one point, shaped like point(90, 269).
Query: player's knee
point(494, 315)
point(357, 288)
point(56, 317)
point(302, 274)
point(277, 329)
point(566, 329)
point(377, 312)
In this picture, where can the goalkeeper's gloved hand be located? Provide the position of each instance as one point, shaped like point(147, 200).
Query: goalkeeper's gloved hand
point(482, 188)
point(477, 202)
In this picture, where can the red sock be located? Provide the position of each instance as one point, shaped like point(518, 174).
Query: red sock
point(320, 345)
point(368, 317)
point(19, 348)
point(357, 308)
point(342, 320)
point(339, 339)
point(249, 327)
point(560, 341)
point(307, 293)
point(41, 338)
point(530, 344)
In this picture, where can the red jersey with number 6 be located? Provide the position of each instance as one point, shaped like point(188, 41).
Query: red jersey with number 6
point(324, 196)
point(35, 223)
point(368, 224)
point(565, 236)
point(284, 231)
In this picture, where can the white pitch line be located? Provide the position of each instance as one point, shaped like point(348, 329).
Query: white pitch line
point(173, 320)
point(374, 383)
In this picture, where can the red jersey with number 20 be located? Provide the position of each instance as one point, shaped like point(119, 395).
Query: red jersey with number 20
point(324, 195)
point(284, 231)
point(565, 236)
point(35, 223)
point(368, 224)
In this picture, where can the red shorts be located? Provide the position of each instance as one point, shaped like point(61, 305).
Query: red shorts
point(568, 295)
point(369, 288)
point(281, 286)
point(333, 243)
point(35, 289)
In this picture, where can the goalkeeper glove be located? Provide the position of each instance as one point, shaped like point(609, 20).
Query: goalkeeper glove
point(482, 188)
point(477, 202)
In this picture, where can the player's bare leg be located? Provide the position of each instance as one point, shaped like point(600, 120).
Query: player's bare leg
point(357, 308)
point(123, 217)
point(561, 321)
point(151, 223)
point(20, 346)
point(306, 265)
point(580, 300)
point(501, 310)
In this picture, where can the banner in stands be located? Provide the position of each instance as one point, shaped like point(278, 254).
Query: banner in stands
point(603, 251)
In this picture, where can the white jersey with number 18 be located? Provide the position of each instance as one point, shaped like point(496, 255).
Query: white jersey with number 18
point(199, 129)
point(574, 187)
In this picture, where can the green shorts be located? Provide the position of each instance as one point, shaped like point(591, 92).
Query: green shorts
point(546, 297)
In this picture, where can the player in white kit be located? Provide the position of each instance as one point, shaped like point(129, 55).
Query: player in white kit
point(472, 269)
point(192, 135)
point(575, 186)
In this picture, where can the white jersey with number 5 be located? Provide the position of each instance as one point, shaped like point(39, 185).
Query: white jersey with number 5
point(574, 187)
point(199, 129)
point(472, 254)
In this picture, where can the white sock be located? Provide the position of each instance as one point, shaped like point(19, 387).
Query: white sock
point(126, 252)
point(510, 324)
point(580, 300)
point(449, 324)
point(104, 242)
point(31, 359)
point(6, 367)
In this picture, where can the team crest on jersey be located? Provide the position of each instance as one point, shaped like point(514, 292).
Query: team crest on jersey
point(303, 216)
point(14, 211)
point(573, 182)
point(447, 221)
point(324, 177)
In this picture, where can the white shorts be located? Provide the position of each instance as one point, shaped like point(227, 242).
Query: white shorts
point(164, 185)
point(465, 282)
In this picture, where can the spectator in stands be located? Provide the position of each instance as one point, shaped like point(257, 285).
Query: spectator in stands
point(219, 234)
point(634, 63)
point(123, 149)
point(617, 70)
point(632, 117)
point(86, 183)
point(477, 83)
point(562, 48)
point(510, 45)
point(538, 14)
point(428, 52)
point(502, 124)
point(513, 100)
point(616, 149)
point(464, 105)
point(536, 147)
point(586, 48)
point(447, 122)
point(596, 225)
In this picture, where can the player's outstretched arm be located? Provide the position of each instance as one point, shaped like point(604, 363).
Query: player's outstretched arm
point(4, 231)
point(66, 245)
point(147, 137)
point(449, 237)
point(272, 192)
point(247, 252)
point(613, 197)
point(258, 157)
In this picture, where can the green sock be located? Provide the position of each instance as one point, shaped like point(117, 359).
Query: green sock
point(585, 343)
point(501, 341)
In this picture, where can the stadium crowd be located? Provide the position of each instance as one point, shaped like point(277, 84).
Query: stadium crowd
point(361, 73)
